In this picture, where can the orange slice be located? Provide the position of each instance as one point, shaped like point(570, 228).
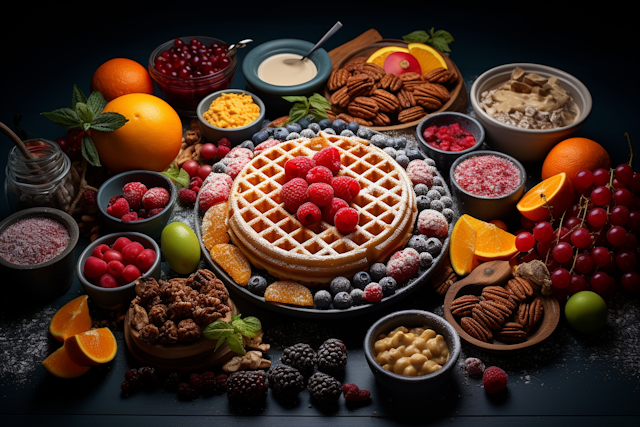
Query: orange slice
point(462, 248)
point(233, 261)
point(91, 348)
point(558, 195)
point(215, 225)
point(491, 242)
point(428, 57)
point(381, 54)
point(72, 318)
point(59, 364)
point(288, 292)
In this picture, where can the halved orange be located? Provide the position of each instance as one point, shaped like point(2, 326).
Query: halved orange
point(59, 364)
point(381, 54)
point(462, 248)
point(428, 57)
point(72, 318)
point(555, 192)
point(91, 348)
point(215, 225)
point(491, 242)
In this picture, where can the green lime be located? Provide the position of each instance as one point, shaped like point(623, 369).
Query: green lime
point(586, 312)
point(180, 247)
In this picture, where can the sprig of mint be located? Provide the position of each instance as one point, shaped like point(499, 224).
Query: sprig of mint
point(232, 333)
point(85, 114)
point(177, 174)
point(438, 39)
point(316, 105)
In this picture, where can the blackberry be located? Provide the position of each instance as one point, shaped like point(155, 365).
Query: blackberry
point(418, 242)
point(340, 284)
point(301, 356)
point(257, 285)
point(286, 380)
point(332, 356)
point(361, 279)
point(322, 299)
point(342, 300)
point(434, 246)
point(388, 285)
point(324, 388)
point(247, 387)
point(377, 271)
point(172, 381)
point(186, 392)
point(356, 296)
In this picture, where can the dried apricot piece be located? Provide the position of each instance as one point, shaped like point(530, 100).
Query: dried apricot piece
point(288, 292)
point(233, 261)
point(215, 225)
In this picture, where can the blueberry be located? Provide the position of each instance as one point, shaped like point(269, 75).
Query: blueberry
point(421, 189)
point(392, 142)
point(356, 296)
point(403, 161)
point(303, 122)
point(426, 259)
point(339, 125)
point(430, 162)
point(294, 127)
point(260, 136)
point(340, 284)
point(401, 141)
point(248, 144)
point(322, 299)
point(418, 242)
point(257, 285)
point(348, 133)
point(270, 130)
point(414, 154)
point(342, 300)
point(219, 167)
point(388, 285)
point(437, 205)
point(324, 123)
point(423, 202)
point(446, 201)
point(307, 133)
point(433, 194)
point(390, 151)
point(314, 127)
point(361, 279)
point(280, 133)
point(330, 131)
point(379, 140)
point(266, 123)
point(377, 271)
point(310, 118)
point(353, 127)
point(293, 135)
point(448, 213)
point(364, 132)
point(438, 181)
point(434, 246)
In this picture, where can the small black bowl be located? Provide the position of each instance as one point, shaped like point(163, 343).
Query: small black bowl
point(47, 280)
point(444, 159)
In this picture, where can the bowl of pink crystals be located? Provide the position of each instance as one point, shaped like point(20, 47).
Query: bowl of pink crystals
point(37, 257)
point(487, 184)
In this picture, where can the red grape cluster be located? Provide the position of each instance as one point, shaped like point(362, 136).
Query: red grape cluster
point(593, 245)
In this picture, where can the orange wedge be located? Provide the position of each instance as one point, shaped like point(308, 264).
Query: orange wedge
point(288, 292)
point(555, 192)
point(91, 348)
point(428, 57)
point(381, 54)
point(215, 225)
point(233, 261)
point(491, 242)
point(462, 248)
point(59, 364)
point(72, 318)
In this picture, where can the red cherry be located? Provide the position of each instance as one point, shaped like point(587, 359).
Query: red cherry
point(94, 267)
point(120, 243)
point(191, 167)
point(115, 268)
point(204, 171)
point(399, 63)
point(145, 259)
point(99, 250)
point(112, 255)
point(131, 273)
point(208, 150)
point(108, 281)
point(131, 252)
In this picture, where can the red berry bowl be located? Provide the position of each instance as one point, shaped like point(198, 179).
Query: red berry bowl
point(121, 292)
point(187, 69)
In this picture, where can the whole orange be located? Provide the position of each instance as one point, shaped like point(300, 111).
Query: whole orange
point(121, 76)
point(149, 140)
point(572, 155)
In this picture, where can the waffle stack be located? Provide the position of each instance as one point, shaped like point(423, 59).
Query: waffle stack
point(274, 240)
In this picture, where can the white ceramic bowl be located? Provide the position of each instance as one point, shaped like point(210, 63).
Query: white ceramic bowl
point(527, 145)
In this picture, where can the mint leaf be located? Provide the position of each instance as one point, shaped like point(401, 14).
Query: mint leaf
point(235, 343)
point(77, 96)
point(295, 98)
point(247, 327)
point(318, 101)
point(89, 151)
point(419, 36)
point(297, 112)
point(439, 39)
point(65, 117)
point(177, 174)
point(108, 122)
point(217, 330)
point(96, 103)
point(318, 114)
point(84, 113)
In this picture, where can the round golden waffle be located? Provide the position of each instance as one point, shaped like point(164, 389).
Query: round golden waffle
point(273, 239)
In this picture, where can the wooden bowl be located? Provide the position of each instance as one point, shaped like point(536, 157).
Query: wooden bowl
point(497, 273)
point(458, 101)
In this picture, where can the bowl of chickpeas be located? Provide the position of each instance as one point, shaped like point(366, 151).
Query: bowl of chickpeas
point(412, 351)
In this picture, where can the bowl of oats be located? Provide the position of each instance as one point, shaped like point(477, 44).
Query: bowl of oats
point(526, 108)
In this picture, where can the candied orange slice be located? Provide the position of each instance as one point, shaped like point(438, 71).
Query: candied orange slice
point(462, 247)
point(91, 348)
point(59, 364)
point(491, 241)
point(381, 54)
point(215, 225)
point(233, 261)
point(72, 318)
point(289, 292)
point(555, 192)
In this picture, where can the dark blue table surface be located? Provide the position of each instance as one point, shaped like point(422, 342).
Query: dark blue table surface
point(568, 379)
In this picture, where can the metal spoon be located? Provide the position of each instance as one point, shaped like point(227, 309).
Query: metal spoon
point(234, 47)
point(324, 38)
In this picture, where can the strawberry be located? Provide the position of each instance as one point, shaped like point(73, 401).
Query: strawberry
point(266, 144)
point(294, 194)
point(328, 157)
point(212, 193)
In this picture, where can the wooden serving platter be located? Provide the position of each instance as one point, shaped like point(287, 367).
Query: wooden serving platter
point(370, 41)
point(196, 355)
point(497, 273)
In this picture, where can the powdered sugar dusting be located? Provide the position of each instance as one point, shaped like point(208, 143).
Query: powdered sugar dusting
point(33, 241)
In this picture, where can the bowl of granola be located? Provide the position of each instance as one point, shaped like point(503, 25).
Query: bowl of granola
point(526, 108)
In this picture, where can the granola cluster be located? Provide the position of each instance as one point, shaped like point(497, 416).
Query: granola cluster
point(176, 310)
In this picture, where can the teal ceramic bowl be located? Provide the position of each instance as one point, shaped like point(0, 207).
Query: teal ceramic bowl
point(271, 94)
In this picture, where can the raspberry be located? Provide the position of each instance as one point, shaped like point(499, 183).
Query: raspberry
point(187, 195)
point(432, 223)
point(419, 172)
point(224, 142)
point(328, 157)
point(298, 167)
point(196, 181)
point(308, 213)
point(320, 193)
point(214, 192)
point(266, 144)
point(329, 211)
point(119, 208)
point(494, 379)
point(319, 174)
point(403, 265)
point(234, 168)
point(346, 220)
point(156, 197)
point(133, 192)
point(153, 212)
point(294, 194)
point(131, 216)
point(113, 200)
point(345, 188)
point(89, 197)
point(353, 393)
point(372, 292)
point(222, 152)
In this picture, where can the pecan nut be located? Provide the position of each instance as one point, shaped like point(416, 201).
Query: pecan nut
point(355, 64)
point(387, 102)
point(520, 288)
point(340, 97)
point(463, 305)
point(475, 329)
point(337, 79)
point(406, 98)
point(411, 114)
point(511, 332)
point(381, 119)
point(390, 82)
point(359, 85)
point(363, 107)
point(374, 70)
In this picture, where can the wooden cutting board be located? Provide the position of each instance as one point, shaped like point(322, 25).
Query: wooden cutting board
point(364, 39)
